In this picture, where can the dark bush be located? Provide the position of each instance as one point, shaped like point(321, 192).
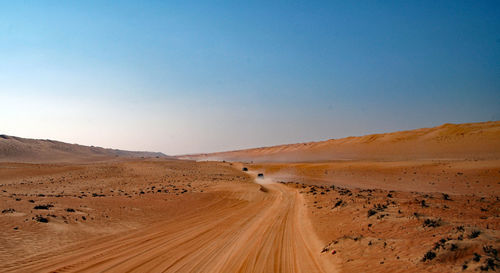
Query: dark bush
point(43, 206)
point(380, 207)
point(41, 219)
point(489, 264)
point(371, 212)
point(474, 234)
point(490, 250)
point(432, 223)
point(429, 256)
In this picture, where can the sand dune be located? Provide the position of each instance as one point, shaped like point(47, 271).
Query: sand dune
point(448, 141)
point(423, 200)
point(222, 224)
point(479, 177)
point(17, 149)
point(417, 201)
point(262, 235)
point(185, 216)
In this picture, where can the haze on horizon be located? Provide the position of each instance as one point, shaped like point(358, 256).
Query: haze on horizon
point(198, 77)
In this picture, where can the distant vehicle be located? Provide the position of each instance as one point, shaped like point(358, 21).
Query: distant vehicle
point(245, 169)
point(260, 175)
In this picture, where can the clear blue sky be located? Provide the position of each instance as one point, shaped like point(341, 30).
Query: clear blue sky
point(198, 76)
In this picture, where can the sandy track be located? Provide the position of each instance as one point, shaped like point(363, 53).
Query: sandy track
point(257, 232)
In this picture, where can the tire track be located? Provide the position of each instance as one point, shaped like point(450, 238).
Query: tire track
point(260, 232)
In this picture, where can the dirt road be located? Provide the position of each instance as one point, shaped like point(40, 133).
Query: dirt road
point(252, 230)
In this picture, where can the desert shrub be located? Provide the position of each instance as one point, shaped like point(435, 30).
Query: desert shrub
point(474, 234)
point(490, 250)
point(41, 219)
point(429, 256)
point(380, 207)
point(432, 223)
point(489, 264)
point(43, 206)
point(371, 212)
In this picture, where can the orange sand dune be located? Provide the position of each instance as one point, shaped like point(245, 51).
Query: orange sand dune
point(448, 141)
point(144, 216)
point(17, 149)
point(417, 201)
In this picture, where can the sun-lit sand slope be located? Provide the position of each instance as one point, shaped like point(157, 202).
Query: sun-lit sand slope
point(418, 201)
point(17, 149)
point(448, 141)
point(479, 177)
point(405, 213)
point(158, 216)
point(400, 216)
point(424, 200)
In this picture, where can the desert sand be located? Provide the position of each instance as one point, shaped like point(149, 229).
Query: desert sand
point(475, 141)
point(444, 221)
point(172, 216)
point(425, 200)
point(17, 149)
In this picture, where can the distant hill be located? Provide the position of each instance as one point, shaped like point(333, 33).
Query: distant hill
point(448, 141)
point(17, 149)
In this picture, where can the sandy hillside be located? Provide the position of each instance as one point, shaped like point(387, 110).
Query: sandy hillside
point(400, 216)
point(185, 216)
point(17, 149)
point(392, 208)
point(448, 141)
point(424, 200)
point(151, 216)
point(480, 177)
